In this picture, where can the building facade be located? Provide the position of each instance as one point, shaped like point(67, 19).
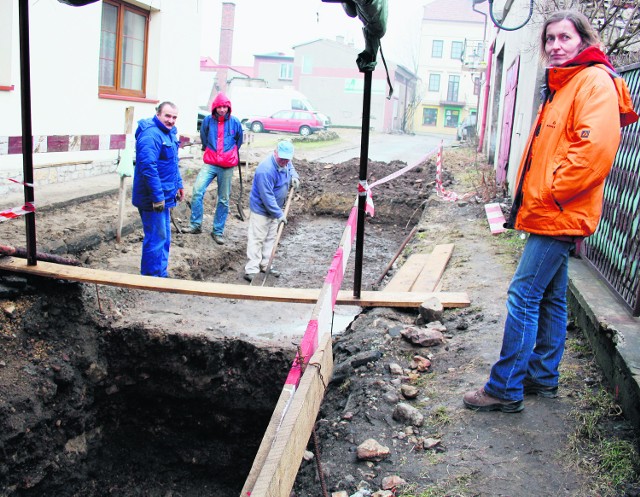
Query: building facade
point(451, 64)
point(88, 65)
point(327, 73)
point(511, 94)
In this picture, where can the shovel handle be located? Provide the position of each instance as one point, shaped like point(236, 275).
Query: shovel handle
point(278, 235)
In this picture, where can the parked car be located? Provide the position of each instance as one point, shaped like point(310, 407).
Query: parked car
point(326, 120)
point(289, 121)
point(467, 128)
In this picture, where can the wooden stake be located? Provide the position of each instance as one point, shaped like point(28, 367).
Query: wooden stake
point(128, 128)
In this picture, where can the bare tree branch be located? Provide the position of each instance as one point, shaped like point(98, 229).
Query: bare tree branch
point(616, 21)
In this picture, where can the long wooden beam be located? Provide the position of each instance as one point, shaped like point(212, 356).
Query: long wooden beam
point(229, 291)
point(280, 466)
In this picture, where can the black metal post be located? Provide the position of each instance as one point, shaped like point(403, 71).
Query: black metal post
point(27, 136)
point(362, 195)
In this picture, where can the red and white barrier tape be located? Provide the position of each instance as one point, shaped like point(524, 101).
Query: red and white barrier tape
point(440, 191)
point(20, 182)
point(17, 211)
point(400, 172)
point(364, 187)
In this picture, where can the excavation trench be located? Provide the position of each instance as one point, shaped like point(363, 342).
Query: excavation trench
point(121, 392)
point(149, 394)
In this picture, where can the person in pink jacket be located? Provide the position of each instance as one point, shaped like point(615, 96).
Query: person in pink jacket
point(558, 202)
point(221, 135)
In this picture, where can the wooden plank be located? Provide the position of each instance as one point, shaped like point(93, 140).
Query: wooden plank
point(429, 277)
point(407, 274)
point(324, 321)
point(267, 440)
point(403, 299)
point(281, 466)
point(209, 289)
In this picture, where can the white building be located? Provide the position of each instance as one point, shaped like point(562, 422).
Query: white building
point(88, 64)
point(452, 61)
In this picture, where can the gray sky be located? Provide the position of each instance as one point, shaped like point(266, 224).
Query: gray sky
point(277, 25)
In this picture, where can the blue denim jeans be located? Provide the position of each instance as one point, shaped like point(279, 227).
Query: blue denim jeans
point(536, 325)
point(156, 242)
point(203, 180)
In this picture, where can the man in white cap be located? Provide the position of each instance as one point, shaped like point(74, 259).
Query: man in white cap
point(271, 182)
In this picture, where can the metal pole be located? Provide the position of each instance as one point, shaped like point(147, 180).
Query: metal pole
point(27, 136)
point(362, 196)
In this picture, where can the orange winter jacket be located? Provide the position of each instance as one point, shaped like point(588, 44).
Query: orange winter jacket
point(570, 151)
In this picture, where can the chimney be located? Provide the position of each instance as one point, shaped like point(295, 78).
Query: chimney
point(226, 42)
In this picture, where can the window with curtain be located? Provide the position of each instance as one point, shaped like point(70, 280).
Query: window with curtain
point(286, 71)
point(123, 49)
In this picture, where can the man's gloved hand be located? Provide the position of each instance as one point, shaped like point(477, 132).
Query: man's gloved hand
point(295, 183)
point(158, 206)
point(282, 220)
point(180, 194)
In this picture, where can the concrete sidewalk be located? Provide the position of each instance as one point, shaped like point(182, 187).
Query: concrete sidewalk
point(613, 333)
point(61, 194)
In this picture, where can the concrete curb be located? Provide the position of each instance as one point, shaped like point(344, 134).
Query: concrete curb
point(613, 333)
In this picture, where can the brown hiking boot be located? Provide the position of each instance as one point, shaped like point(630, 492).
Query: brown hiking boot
point(533, 388)
point(479, 400)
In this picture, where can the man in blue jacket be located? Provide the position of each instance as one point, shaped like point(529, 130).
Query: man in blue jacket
point(271, 182)
point(221, 135)
point(157, 185)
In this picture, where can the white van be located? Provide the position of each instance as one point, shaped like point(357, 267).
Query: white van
point(247, 101)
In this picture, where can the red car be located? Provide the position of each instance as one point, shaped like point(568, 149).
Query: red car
point(289, 121)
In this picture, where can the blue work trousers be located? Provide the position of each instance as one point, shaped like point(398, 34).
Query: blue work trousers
point(203, 180)
point(156, 242)
point(536, 325)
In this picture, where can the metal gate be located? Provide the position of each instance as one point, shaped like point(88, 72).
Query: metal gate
point(614, 249)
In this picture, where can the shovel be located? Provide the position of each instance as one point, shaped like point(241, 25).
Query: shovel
point(278, 235)
point(239, 202)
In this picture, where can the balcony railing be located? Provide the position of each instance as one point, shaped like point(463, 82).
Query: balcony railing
point(473, 55)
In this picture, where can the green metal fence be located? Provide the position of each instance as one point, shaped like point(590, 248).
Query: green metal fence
point(614, 249)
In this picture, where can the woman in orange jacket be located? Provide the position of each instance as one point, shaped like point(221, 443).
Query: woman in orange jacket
point(558, 201)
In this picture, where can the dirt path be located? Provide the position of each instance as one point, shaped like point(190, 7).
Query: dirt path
point(540, 451)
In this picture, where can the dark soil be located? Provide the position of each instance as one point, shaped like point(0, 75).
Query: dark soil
point(113, 392)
